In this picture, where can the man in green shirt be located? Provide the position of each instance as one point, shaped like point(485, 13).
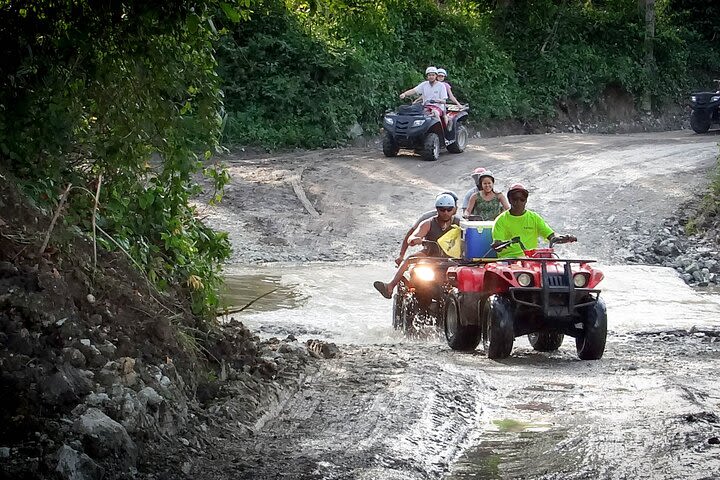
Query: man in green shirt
point(526, 224)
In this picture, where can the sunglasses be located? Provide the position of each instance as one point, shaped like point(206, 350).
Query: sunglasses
point(444, 209)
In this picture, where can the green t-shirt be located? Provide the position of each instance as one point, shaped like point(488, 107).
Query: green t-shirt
point(528, 226)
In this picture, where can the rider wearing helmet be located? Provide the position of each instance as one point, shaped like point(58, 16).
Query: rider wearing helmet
point(421, 218)
point(434, 94)
point(442, 77)
point(519, 222)
point(431, 229)
point(485, 203)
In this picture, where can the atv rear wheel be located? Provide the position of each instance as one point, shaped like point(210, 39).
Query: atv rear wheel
point(499, 326)
point(431, 147)
point(458, 146)
point(700, 120)
point(591, 342)
point(397, 320)
point(545, 341)
point(460, 337)
point(390, 146)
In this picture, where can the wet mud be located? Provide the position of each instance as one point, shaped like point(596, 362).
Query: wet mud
point(396, 408)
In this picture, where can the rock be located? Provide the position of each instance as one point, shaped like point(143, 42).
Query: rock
point(712, 265)
point(97, 399)
point(90, 298)
point(186, 468)
point(322, 349)
point(73, 465)
point(714, 441)
point(149, 396)
point(65, 387)
point(692, 268)
point(107, 349)
point(20, 342)
point(355, 131)
point(104, 437)
point(74, 357)
point(4, 452)
point(7, 269)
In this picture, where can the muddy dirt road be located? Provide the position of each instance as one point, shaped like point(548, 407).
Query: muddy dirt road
point(393, 408)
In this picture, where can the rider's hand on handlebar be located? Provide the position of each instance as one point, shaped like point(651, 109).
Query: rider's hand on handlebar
point(564, 239)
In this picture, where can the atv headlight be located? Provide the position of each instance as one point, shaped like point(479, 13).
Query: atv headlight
point(524, 279)
point(425, 274)
point(417, 123)
point(715, 98)
point(390, 121)
point(693, 98)
point(580, 280)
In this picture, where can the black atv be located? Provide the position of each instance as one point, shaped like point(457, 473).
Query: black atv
point(411, 127)
point(705, 110)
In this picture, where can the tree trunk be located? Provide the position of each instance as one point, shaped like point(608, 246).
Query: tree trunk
point(648, 12)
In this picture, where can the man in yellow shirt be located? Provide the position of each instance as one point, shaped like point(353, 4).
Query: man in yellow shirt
point(526, 224)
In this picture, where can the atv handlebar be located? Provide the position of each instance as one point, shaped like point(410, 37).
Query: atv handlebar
point(507, 243)
point(562, 239)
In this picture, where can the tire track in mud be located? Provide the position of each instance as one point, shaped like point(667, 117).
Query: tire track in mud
point(379, 412)
point(632, 414)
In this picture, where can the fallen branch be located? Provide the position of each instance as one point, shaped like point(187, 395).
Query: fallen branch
point(295, 182)
point(54, 219)
point(247, 305)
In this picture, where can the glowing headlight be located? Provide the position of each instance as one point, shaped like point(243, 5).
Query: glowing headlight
point(390, 121)
point(426, 274)
point(417, 123)
point(580, 280)
point(693, 98)
point(715, 98)
point(524, 279)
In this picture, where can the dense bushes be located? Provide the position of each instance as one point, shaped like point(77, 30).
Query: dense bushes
point(301, 73)
point(125, 94)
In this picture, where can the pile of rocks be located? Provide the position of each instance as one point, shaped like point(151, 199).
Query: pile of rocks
point(694, 257)
point(100, 376)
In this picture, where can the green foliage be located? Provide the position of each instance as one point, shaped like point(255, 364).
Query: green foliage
point(300, 73)
point(709, 208)
point(126, 90)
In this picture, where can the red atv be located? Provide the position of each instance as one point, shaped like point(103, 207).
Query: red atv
point(540, 295)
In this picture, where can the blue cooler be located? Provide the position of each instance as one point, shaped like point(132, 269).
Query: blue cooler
point(477, 238)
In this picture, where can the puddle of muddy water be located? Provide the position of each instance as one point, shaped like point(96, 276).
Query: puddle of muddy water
point(512, 449)
point(260, 293)
point(333, 302)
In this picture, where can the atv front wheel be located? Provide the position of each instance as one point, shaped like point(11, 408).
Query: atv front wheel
point(591, 342)
point(410, 311)
point(700, 121)
point(397, 320)
point(499, 326)
point(545, 341)
point(390, 146)
point(460, 337)
point(431, 148)
point(458, 146)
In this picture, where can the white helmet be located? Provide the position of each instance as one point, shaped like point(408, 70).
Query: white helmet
point(431, 69)
point(444, 200)
point(442, 71)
